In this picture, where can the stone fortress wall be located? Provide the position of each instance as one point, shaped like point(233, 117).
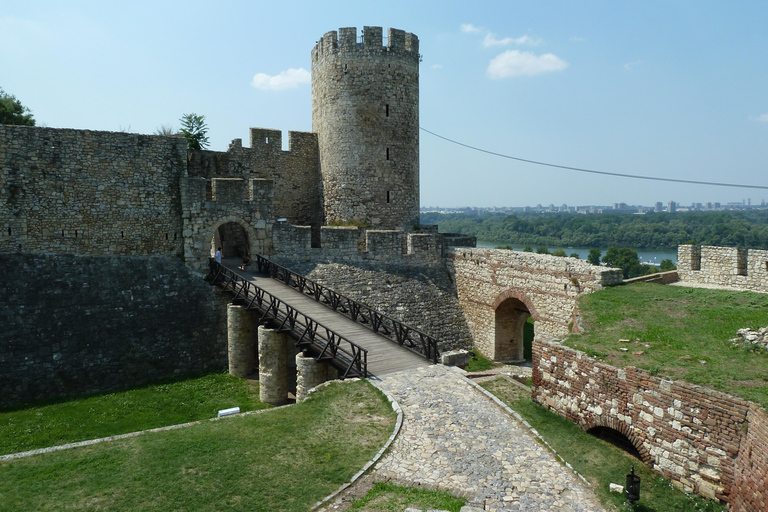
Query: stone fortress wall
point(295, 173)
point(365, 111)
point(703, 440)
point(745, 269)
point(499, 289)
point(88, 192)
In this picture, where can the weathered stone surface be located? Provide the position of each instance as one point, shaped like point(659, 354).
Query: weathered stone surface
point(499, 289)
point(365, 111)
point(84, 324)
point(731, 267)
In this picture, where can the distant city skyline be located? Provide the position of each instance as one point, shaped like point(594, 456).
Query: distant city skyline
point(655, 88)
point(658, 206)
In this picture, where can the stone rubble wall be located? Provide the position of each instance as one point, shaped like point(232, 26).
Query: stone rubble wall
point(549, 286)
point(745, 269)
point(74, 325)
point(247, 203)
point(365, 111)
point(693, 435)
point(359, 246)
point(422, 297)
point(89, 192)
point(295, 172)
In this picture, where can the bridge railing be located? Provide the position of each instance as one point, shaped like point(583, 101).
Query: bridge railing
point(402, 334)
point(350, 358)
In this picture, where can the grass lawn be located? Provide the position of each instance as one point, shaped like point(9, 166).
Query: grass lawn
point(386, 497)
point(683, 333)
point(92, 417)
point(285, 459)
point(601, 463)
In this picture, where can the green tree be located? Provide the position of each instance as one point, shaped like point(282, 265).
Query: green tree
point(528, 248)
point(559, 252)
point(194, 129)
point(575, 255)
point(667, 265)
point(626, 259)
point(594, 256)
point(13, 112)
point(542, 250)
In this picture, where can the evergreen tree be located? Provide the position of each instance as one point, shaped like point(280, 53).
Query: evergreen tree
point(13, 112)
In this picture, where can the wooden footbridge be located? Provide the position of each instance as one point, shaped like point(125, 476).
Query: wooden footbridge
point(357, 340)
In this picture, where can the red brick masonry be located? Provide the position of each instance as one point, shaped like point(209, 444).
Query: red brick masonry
point(706, 441)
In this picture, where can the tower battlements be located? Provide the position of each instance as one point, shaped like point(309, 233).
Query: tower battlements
point(370, 40)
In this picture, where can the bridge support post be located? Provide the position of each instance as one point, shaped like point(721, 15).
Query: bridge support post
point(273, 366)
point(241, 340)
point(310, 373)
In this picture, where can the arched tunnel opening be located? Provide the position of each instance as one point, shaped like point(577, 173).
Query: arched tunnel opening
point(617, 439)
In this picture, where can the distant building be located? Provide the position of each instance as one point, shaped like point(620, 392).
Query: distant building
point(672, 206)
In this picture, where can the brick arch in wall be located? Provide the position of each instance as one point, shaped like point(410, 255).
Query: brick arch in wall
point(637, 441)
point(511, 309)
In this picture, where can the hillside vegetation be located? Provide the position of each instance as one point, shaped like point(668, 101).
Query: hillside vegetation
point(678, 333)
point(650, 231)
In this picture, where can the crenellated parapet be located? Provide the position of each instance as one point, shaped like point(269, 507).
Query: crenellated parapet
point(295, 171)
point(365, 111)
point(232, 210)
point(733, 267)
point(355, 245)
point(370, 41)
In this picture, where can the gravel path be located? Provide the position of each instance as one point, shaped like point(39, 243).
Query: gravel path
point(455, 439)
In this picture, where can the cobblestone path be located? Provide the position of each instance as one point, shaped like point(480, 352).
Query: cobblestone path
point(455, 439)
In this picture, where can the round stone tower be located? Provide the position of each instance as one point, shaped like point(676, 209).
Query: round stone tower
point(365, 111)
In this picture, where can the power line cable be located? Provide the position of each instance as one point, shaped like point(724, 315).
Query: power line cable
point(592, 171)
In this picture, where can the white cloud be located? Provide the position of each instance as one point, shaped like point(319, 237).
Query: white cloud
point(631, 66)
point(469, 28)
point(289, 79)
point(763, 118)
point(437, 66)
point(516, 63)
point(490, 38)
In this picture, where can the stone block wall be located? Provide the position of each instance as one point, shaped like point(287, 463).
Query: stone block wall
point(365, 111)
point(422, 297)
point(546, 286)
point(247, 206)
point(88, 192)
point(697, 437)
point(361, 246)
point(745, 269)
point(97, 323)
point(295, 172)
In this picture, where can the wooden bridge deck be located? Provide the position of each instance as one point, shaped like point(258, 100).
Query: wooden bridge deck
point(384, 355)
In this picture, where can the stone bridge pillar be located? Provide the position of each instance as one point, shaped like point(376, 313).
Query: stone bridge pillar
point(273, 366)
point(310, 373)
point(241, 340)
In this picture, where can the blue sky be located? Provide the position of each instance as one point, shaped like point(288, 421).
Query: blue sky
point(675, 89)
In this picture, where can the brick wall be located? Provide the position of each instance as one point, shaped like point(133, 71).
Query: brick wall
point(697, 437)
point(750, 488)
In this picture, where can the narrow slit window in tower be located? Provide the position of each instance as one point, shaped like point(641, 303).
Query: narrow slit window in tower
point(166, 236)
point(387, 109)
point(389, 196)
point(387, 153)
point(9, 231)
point(122, 234)
point(266, 140)
point(75, 233)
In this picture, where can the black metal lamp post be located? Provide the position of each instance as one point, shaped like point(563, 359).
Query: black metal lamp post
point(632, 490)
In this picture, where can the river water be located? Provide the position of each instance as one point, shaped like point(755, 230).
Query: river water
point(648, 256)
